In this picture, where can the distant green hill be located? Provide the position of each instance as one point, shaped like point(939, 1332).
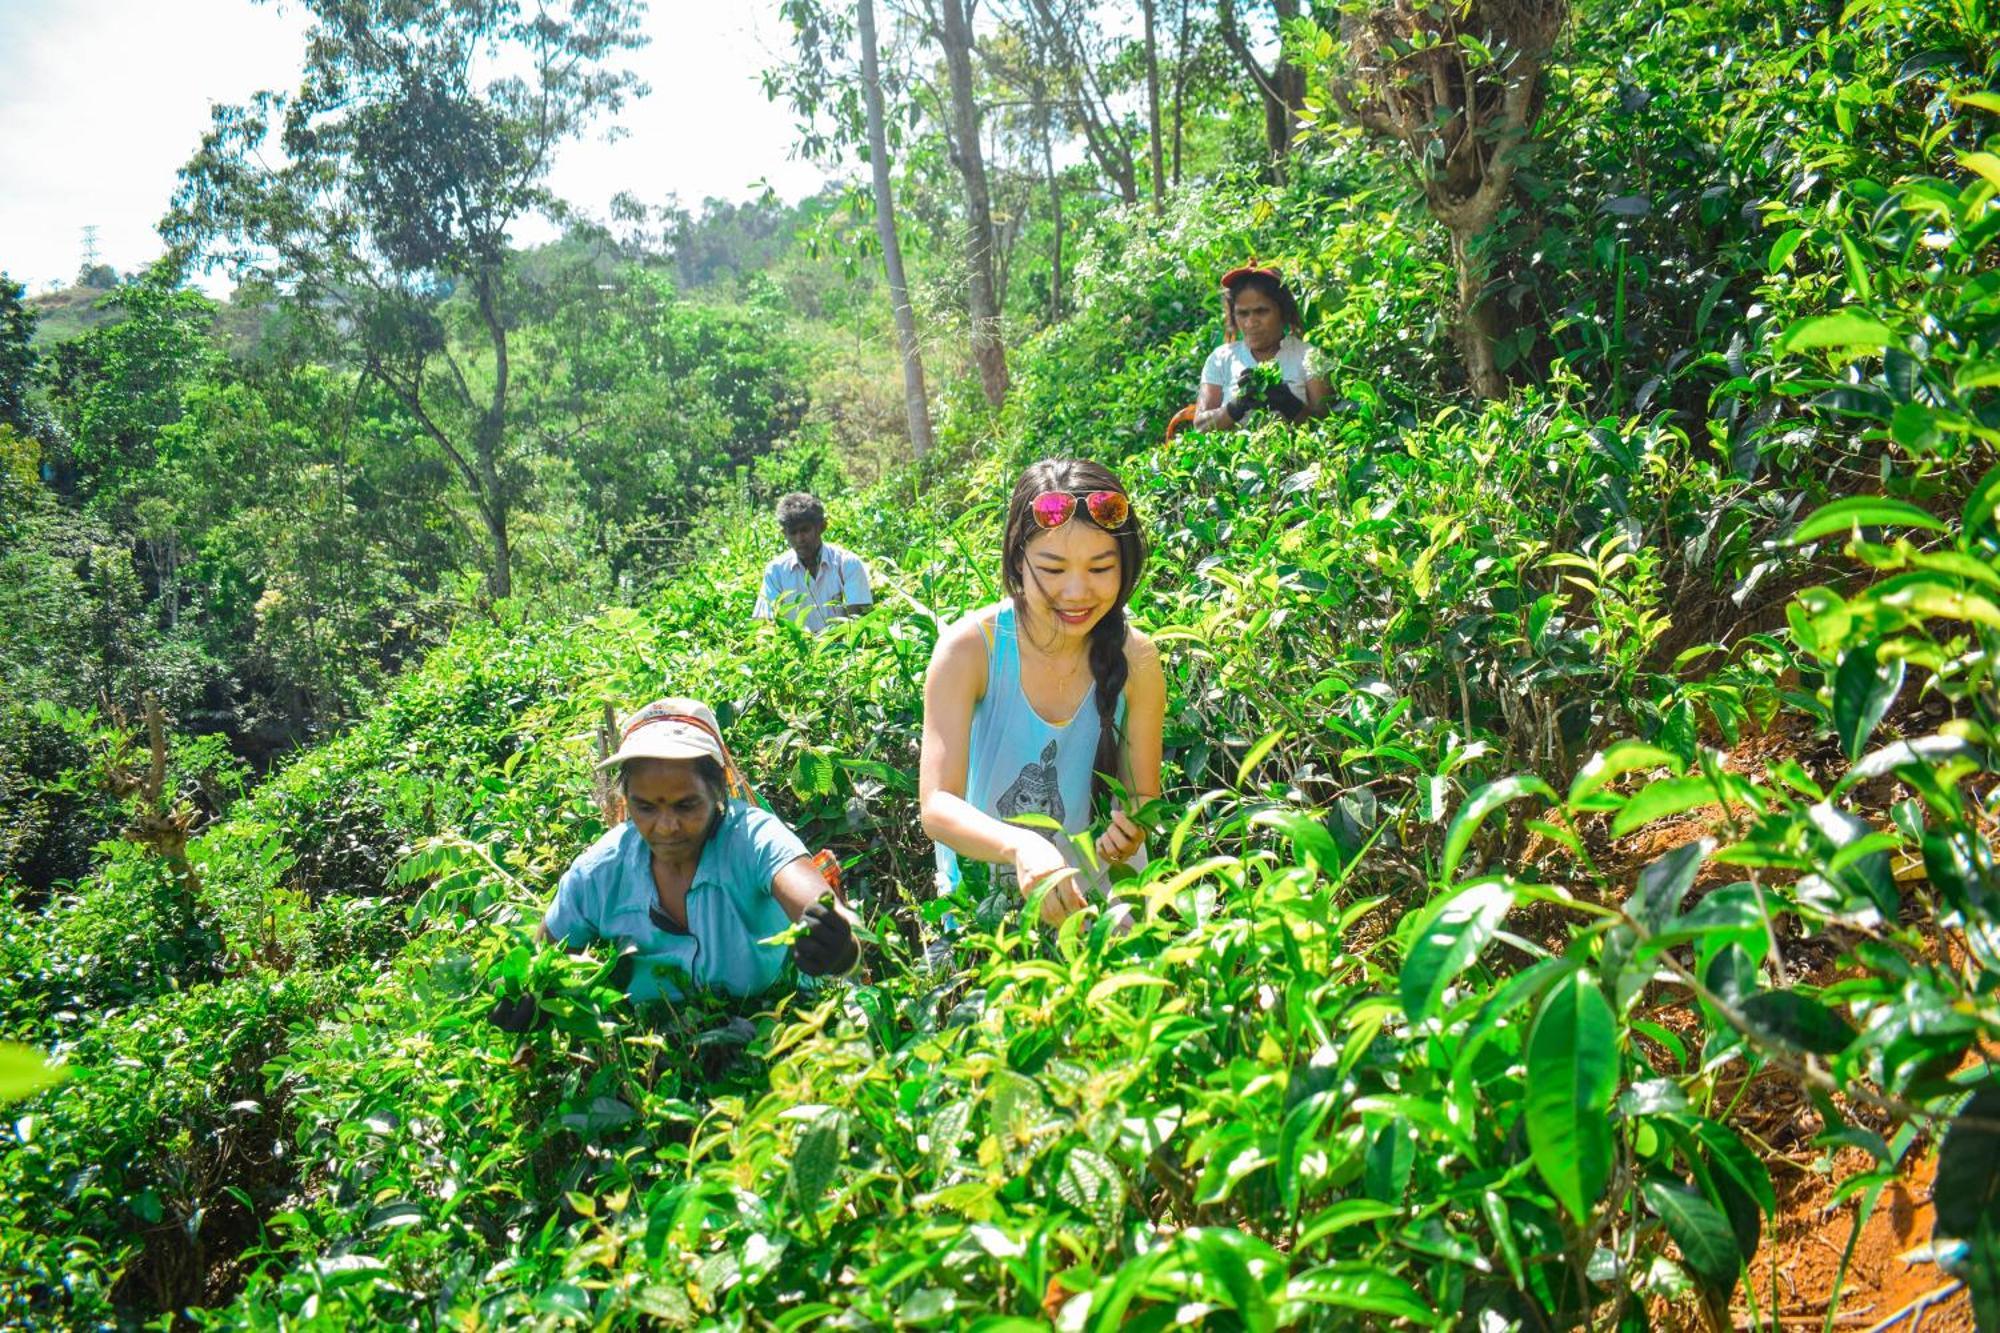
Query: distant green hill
point(1577, 804)
point(70, 312)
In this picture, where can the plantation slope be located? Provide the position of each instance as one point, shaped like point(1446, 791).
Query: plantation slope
point(485, 750)
point(1112, 1083)
point(1382, 1045)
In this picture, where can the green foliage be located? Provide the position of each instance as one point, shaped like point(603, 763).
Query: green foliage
point(1398, 1022)
point(430, 133)
point(150, 1150)
point(118, 386)
point(254, 540)
point(660, 403)
point(24, 1072)
point(17, 356)
point(1267, 376)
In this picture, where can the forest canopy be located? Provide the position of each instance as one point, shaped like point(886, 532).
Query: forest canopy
point(1571, 898)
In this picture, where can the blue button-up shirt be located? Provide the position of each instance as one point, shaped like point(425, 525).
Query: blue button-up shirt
point(608, 894)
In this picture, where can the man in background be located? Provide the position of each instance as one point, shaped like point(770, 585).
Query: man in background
point(815, 582)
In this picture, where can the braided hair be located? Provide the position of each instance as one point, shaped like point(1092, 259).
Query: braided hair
point(1106, 654)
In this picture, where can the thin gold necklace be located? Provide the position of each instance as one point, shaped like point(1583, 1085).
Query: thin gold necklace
point(1065, 678)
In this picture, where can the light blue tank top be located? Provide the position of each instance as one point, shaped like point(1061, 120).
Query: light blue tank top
point(1021, 763)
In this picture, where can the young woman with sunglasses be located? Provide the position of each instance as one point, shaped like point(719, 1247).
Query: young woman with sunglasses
point(1030, 703)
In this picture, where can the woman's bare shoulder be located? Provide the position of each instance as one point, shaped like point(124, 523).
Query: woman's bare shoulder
point(963, 643)
point(1140, 650)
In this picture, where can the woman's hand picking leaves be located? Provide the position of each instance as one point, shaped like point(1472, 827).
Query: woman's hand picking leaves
point(522, 1013)
point(1280, 399)
point(1248, 394)
point(1121, 840)
point(825, 945)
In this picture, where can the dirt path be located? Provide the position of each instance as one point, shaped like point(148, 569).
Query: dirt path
point(1890, 1284)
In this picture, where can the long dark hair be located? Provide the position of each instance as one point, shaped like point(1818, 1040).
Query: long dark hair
point(1107, 636)
point(1269, 285)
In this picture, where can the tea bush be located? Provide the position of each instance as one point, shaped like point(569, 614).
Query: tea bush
point(1398, 1025)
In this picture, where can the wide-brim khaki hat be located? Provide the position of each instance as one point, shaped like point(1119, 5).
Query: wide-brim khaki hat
point(670, 729)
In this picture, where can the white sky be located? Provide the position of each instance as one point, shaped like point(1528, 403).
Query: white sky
point(101, 101)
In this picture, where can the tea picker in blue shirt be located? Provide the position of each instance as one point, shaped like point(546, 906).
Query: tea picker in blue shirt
point(697, 875)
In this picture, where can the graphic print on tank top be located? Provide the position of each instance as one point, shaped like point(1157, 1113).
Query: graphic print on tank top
point(1037, 791)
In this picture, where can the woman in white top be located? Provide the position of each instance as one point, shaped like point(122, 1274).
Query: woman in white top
point(1266, 318)
point(1029, 704)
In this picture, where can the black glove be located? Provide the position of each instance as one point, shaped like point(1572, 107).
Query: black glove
point(1245, 399)
point(1280, 399)
point(828, 947)
point(523, 1013)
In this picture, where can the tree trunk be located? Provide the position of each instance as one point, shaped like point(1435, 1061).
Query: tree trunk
point(1288, 82)
point(1281, 111)
point(1055, 215)
point(489, 438)
point(500, 578)
point(916, 402)
point(1153, 110)
point(987, 349)
point(1180, 88)
point(1283, 86)
point(1478, 323)
point(1101, 133)
point(1463, 127)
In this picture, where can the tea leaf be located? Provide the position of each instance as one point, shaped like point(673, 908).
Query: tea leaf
point(1308, 836)
point(23, 1072)
point(1452, 934)
point(1863, 511)
point(1846, 330)
point(1480, 804)
point(817, 1155)
point(1863, 688)
point(1967, 1192)
point(1572, 1077)
point(1091, 1184)
point(1657, 800)
point(1615, 760)
point(1708, 1245)
point(1360, 1286)
point(1795, 1020)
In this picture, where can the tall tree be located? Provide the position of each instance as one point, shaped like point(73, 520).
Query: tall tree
point(820, 87)
point(1180, 86)
point(407, 156)
point(1282, 87)
point(915, 402)
point(1060, 29)
point(1153, 112)
point(1023, 93)
point(953, 26)
point(119, 386)
point(17, 355)
point(1055, 207)
point(1457, 90)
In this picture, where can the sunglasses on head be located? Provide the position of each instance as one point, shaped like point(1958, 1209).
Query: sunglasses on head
point(1107, 509)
